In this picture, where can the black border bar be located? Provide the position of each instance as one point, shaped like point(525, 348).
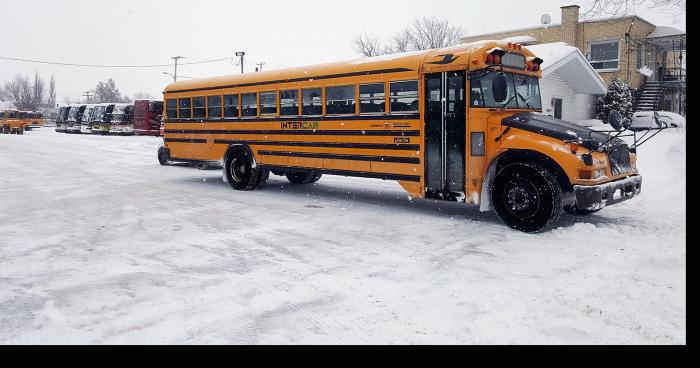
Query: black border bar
point(401, 160)
point(378, 146)
point(369, 133)
point(361, 174)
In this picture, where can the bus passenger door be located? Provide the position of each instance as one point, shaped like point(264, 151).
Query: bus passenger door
point(445, 135)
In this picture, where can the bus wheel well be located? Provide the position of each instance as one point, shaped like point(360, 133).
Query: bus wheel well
point(235, 147)
point(513, 156)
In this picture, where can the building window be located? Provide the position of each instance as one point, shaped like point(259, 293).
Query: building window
point(312, 101)
point(185, 108)
point(231, 106)
point(289, 102)
point(171, 108)
point(605, 55)
point(199, 107)
point(404, 96)
point(214, 107)
point(249, 104)
point(372, 98)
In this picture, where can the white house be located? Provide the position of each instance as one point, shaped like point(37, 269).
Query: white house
point(569, 84)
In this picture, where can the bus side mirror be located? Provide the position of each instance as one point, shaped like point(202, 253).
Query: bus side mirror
point(615, 120)
point(499, 88)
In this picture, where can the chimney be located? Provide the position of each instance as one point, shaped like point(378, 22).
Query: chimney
point(569, 24)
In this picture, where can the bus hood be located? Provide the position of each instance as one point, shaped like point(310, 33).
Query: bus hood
point(561, 129)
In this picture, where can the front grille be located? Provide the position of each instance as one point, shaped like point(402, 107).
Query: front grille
point(619, 158)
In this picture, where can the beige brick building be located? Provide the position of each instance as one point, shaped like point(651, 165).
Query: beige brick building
point(616, 47)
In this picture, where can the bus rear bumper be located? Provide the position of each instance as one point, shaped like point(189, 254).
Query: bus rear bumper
point(595, 197)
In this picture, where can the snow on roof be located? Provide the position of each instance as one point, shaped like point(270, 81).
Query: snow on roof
point(571, 65)
point(665, 31)
point(523, 40)
point(553, 52)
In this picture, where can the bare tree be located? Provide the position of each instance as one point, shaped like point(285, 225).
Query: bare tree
point(143, 96)
point(19, 92)
point(38, 92)
point(616, 8)
point(52, 92)
point(401, 42)
point(432, 33)
point(368, 45)
point(423, 34)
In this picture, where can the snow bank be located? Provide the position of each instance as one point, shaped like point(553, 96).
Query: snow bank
point(109, 247)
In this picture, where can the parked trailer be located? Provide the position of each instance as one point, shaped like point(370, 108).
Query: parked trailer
point(75, 118)
point(147, 117)
point(88, 118)
point(122, 119)
point(103, 113)
point(62, 118)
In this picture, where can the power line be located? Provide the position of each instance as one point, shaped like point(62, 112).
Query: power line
point(109, 66)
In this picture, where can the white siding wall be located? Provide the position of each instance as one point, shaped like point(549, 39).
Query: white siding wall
point(575, 106)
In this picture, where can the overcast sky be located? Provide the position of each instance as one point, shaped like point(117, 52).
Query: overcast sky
point(280, 33)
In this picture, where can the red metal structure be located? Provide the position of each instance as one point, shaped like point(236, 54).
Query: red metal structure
point(147, 117)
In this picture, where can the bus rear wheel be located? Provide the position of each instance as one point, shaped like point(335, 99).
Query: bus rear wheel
point(300, 178)
point(241, 174)
point(527, 197)
point(163, 156)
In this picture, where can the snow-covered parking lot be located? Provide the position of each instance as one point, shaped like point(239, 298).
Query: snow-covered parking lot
point(100, 244)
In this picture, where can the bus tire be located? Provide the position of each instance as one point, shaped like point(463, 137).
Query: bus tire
point(527, 197)
point(301, 178)
point(573, 210)
point(240, 172)
point(163, 156)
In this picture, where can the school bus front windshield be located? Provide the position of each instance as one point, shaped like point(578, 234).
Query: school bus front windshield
point(523, 91)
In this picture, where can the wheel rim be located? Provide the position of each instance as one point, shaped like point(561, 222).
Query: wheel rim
point(239, 169)
point(521, 198)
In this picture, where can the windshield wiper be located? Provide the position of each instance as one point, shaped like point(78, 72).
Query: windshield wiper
point(526, 99)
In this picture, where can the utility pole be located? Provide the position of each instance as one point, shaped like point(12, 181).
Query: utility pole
point(87, 95)
point(241, 54)
point(176, 58)
point(260, 65)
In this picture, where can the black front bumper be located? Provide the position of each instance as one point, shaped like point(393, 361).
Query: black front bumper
point(595, 197)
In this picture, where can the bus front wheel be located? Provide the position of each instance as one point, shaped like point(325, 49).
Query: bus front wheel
point(300, 178)
point(527, 197)
point(240, 171)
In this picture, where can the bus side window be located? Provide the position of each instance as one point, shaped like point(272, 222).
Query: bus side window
point(199, 107)
point(372, 98)
point(404, 96)
point(214, 103)
point(289, 102)
point(312, 101)
point(340, 100)
point(185, 108)
point(268, 103)
point(249, 104)
point(231, 106)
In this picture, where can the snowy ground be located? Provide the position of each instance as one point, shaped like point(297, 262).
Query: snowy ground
point(100, 244)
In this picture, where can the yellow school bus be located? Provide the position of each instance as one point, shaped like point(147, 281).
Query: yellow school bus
point(459, 124)
point(14, 122)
